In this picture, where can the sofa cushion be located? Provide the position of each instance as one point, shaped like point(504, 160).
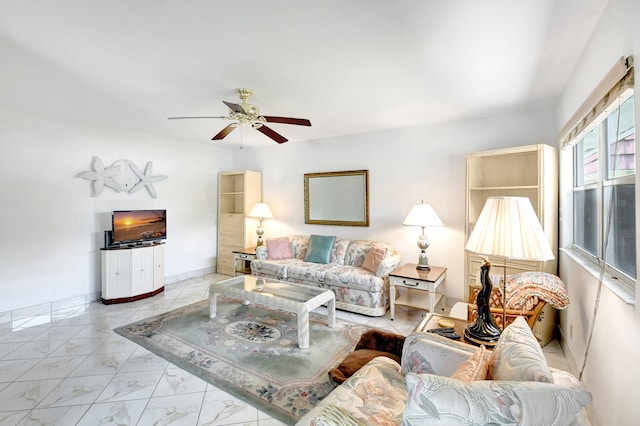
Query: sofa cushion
point(273, 268)
point(309, 271)
point(278, 248)
point(518, 355)
point(374, 257)
point(319, 250)
point(444, 401)
point(474, 368)
point(355, 278)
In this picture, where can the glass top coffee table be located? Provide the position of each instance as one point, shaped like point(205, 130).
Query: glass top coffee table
point(298, 299)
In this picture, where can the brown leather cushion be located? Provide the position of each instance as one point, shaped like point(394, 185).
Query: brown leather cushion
point(382, 341)
point(373, 343)
point(356, 360)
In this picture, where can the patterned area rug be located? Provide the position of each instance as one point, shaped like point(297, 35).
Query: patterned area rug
point(251, 352)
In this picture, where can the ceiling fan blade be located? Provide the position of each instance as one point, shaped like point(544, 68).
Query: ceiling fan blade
point(235, 107)
point(287, 120)
point(272, 134)
point(182, 118)
point(224, 132)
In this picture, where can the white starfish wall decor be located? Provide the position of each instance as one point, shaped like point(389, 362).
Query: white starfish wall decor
point(122, 175)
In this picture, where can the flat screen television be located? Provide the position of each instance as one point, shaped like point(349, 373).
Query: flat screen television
point(138, 226)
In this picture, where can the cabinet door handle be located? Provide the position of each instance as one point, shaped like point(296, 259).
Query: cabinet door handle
point(411, 283)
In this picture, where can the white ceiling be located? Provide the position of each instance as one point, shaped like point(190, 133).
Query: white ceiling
point(348, 66)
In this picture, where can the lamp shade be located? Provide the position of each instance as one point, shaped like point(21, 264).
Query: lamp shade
point(422, 215)
point(260, 211)
point(508, 227)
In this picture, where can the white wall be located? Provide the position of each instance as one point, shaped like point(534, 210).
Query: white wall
point(51, 229)
point(405, 166)
point(612, 371)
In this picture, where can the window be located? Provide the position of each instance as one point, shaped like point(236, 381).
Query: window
point(604, 188)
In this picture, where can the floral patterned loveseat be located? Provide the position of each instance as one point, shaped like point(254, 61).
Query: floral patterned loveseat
point(357, 289)
point(444, 382)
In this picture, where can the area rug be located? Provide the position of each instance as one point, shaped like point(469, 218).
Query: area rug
point(251, 352)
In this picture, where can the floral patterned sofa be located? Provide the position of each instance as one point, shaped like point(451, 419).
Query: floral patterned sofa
point(446, 382)
point(356, 270)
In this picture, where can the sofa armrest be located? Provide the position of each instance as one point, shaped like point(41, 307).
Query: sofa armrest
point(375, 394)
point(388, 265)
point(428, 353)
point(261, 252)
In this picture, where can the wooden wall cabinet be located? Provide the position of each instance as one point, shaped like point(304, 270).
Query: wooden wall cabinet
point(527, 171)
point(238, 192)
point(132, 273)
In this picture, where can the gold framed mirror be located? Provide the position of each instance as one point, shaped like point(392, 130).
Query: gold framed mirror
point(337, 198)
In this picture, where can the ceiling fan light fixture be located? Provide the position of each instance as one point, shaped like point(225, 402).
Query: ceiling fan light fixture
point(245, 113)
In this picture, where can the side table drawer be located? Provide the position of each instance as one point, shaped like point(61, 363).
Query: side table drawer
point(410, 283)
point(244, 256)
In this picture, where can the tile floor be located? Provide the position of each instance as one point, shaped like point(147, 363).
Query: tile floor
point(68, 367)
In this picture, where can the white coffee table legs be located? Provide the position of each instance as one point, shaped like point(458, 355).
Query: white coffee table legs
point(331, 312)
point(212, 303)
point(303, 320)
point(300, 309)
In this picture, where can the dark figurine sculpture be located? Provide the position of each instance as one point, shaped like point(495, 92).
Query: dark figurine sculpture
point(484, 329)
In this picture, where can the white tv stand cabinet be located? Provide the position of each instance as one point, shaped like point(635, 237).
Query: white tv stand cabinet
point(132, 273)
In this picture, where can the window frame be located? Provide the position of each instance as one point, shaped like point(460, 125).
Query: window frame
point(602, 182)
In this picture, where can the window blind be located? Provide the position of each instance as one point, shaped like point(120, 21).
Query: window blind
point(612, 87)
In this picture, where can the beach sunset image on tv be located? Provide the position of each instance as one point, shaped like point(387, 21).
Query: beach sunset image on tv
point(139, 225)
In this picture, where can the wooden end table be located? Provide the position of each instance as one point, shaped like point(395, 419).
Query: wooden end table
point(419, 287)
point(242, 260)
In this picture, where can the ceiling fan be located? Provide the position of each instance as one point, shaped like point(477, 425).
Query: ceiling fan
point(246, 113)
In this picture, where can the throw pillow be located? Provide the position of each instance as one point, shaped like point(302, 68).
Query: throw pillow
point(474, 368)
point(518, 355)
point(441, 400)
point(375, 256)
point(319, 249)
point(278, 248)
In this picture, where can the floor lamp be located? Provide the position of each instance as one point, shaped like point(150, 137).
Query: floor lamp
point(507, 228)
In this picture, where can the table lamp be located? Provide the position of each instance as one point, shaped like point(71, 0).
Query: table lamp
point(260, 211)
point(507, 228)
point(422, 215)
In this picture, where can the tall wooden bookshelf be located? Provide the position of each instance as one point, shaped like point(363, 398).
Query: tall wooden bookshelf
point(238, 192)
point(527, 171)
